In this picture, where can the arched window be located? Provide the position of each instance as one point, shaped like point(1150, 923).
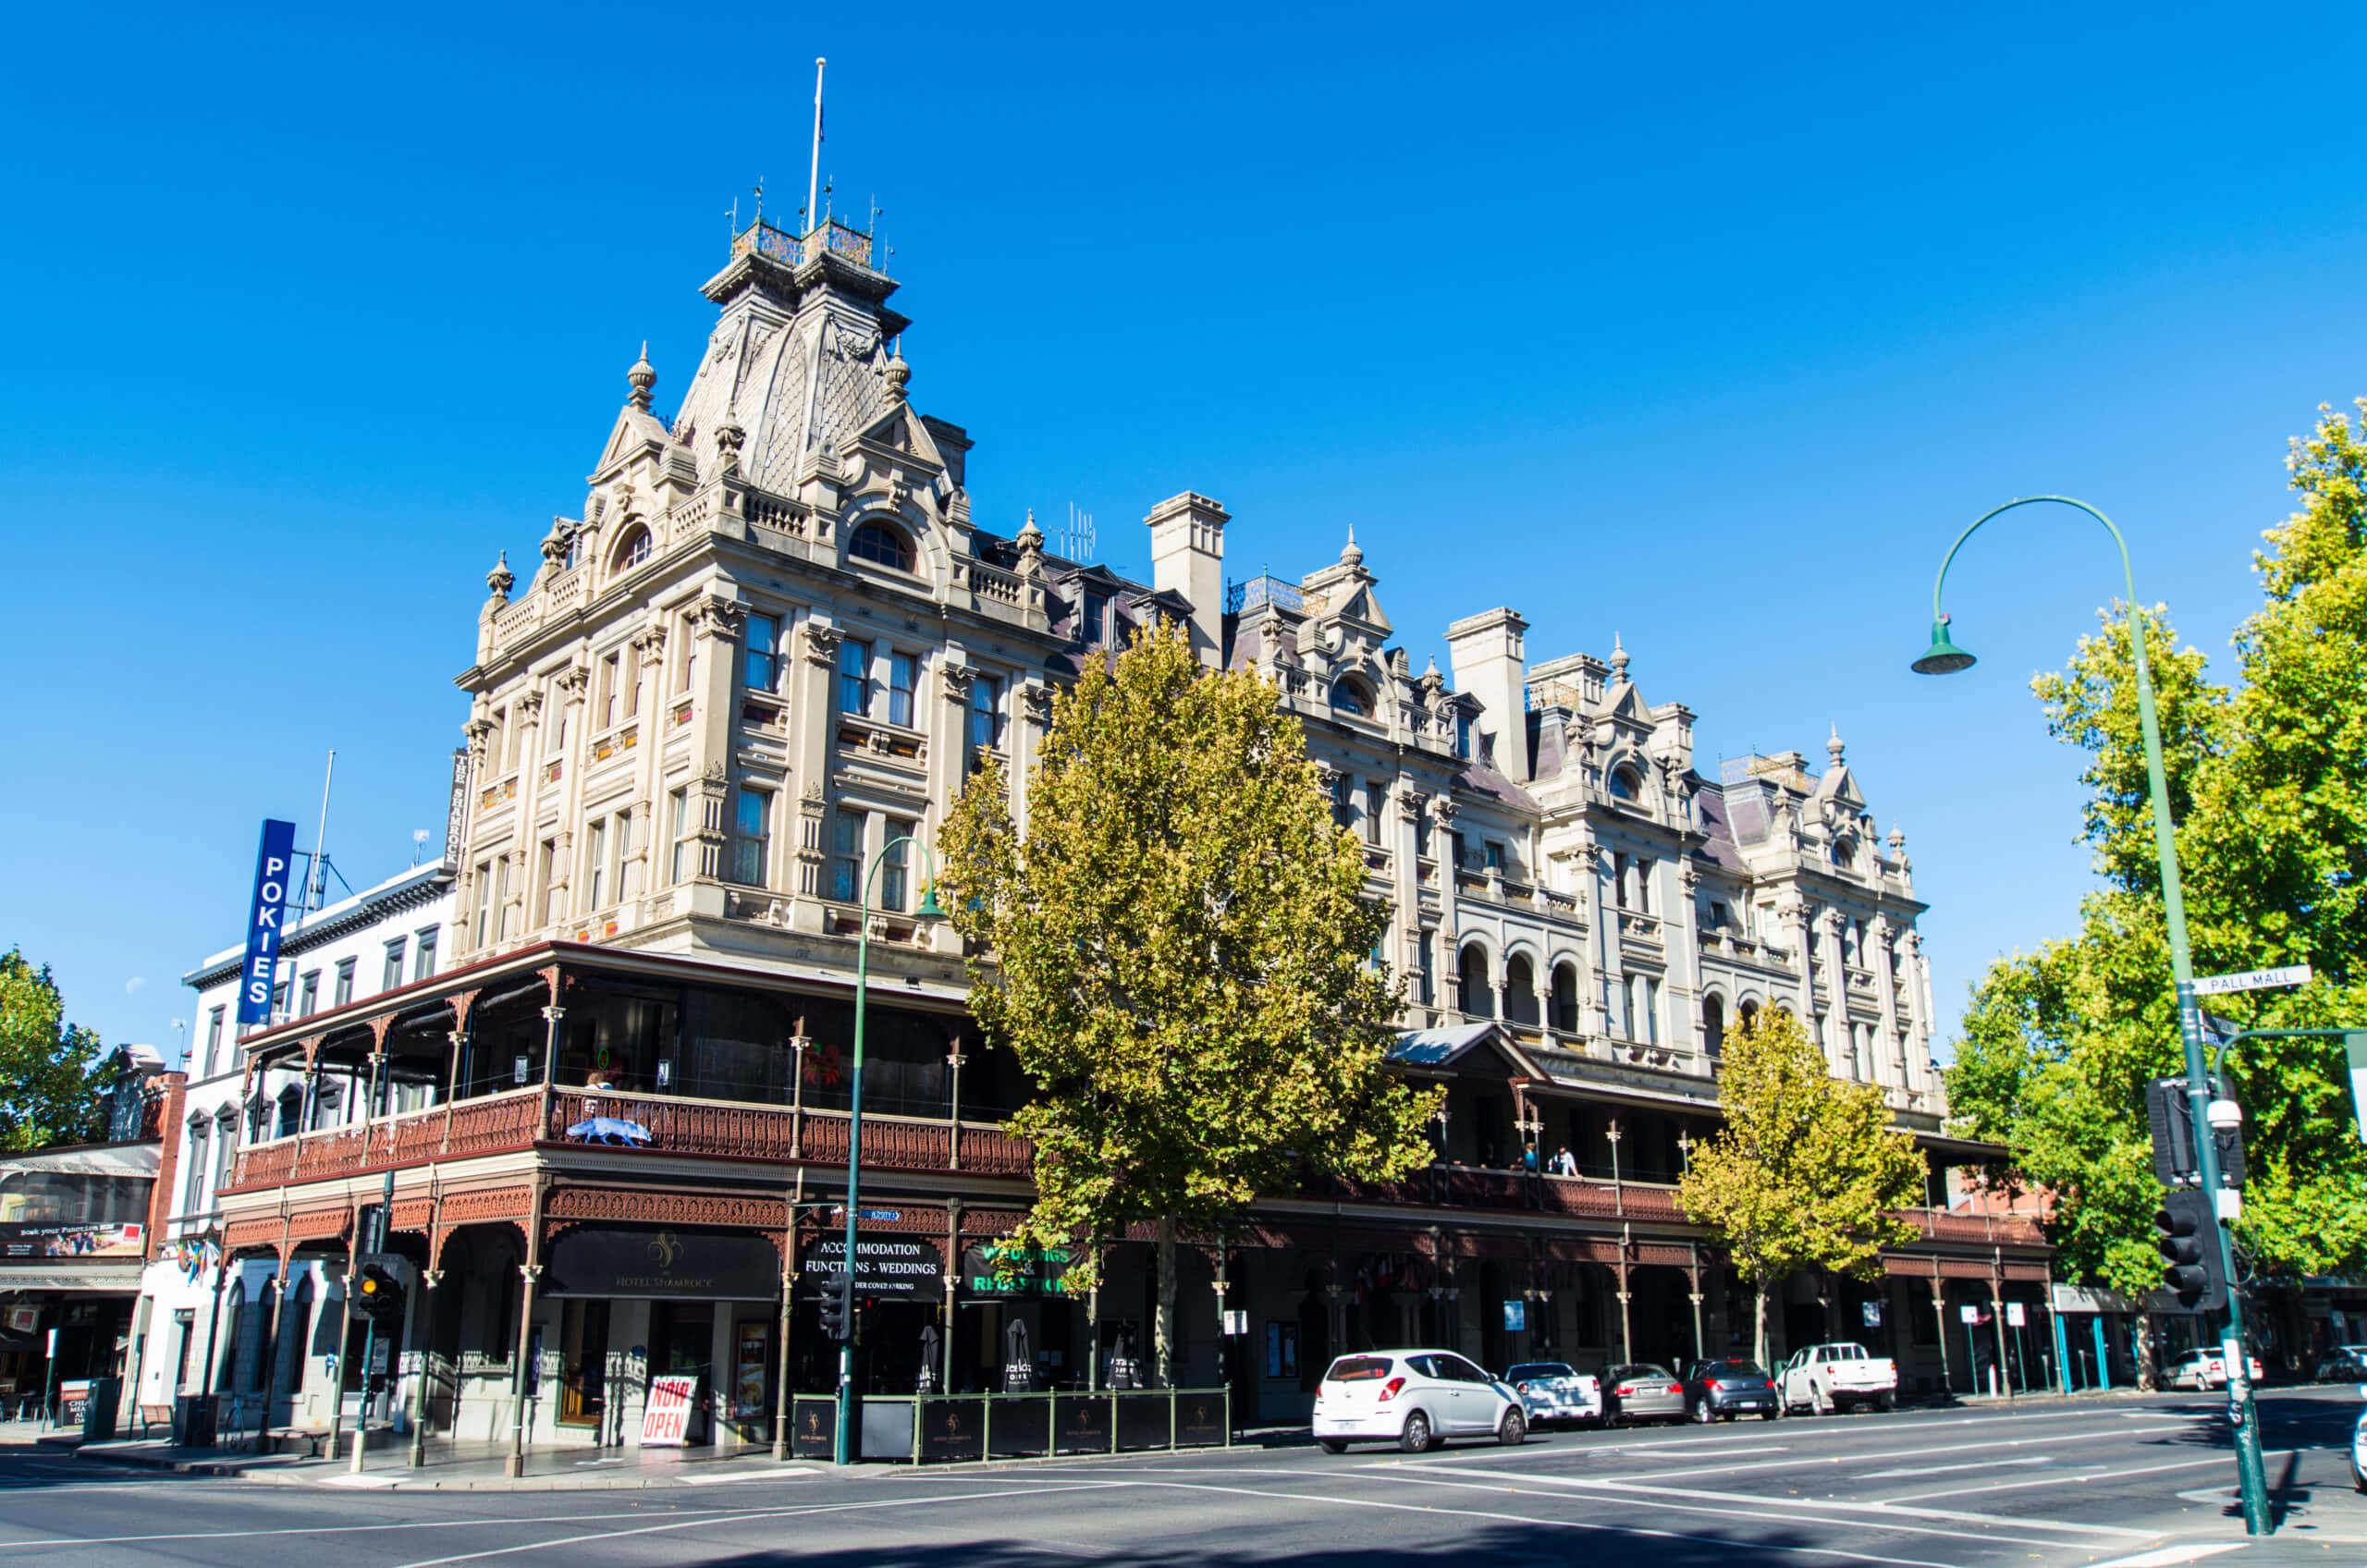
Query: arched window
point(1477, 998)
point(1714, 1024)
point(631, 550)
point(878, 543)
point(1350, 695)
point(1625, 784)
point(1565, 998)
point(1749, 1014)
point(1844, 853)
point(1520, 990)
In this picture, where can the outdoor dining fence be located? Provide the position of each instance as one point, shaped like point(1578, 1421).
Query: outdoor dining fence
point(921, 1430)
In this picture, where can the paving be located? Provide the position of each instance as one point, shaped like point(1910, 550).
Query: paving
point(2137, 1482)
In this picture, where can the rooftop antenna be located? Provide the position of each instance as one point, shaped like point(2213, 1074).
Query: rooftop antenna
point(1078, 540)
point(760, 202)
point(732, 217)
point(813, 174)
point(418, 844)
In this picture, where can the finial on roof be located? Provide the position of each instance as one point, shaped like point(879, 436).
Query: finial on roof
point(1897, 839)
point(1030, 536)
point(900, 376)
point(501, 578)
point(1618, 658)
point(1832, 747)
point(643, 377)
point(1352, 555)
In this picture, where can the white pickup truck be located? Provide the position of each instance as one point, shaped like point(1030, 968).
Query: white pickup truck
point(1825, 1377)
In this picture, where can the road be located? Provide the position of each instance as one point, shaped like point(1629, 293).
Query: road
point(2094, 1481)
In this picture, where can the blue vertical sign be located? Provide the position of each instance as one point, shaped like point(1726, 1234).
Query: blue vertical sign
point(272, 864)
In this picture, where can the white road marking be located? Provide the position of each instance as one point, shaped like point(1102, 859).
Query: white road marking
point(735, 1516)
point(1622, 1486)
point(1746, 1548)
point(2169, 1556)
point(2088, 1476)
point(784, 1474)
point(1760, 1516)
point(1943, 1469)
point(1982, 1445)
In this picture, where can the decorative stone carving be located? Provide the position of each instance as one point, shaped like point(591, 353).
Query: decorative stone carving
point(957, 678)
point(718, 618)
point(1039, 700)
point(571, 682)
point(822, 644)
point(728, 438)
point(650, 642)
point(499, 581)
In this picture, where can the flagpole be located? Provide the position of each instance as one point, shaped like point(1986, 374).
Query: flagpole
point(814, 177)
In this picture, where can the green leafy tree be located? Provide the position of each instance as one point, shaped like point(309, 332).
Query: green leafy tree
point(1177, 949)
point(2269, 800)
point(1805, 1171)
point(47, 1091)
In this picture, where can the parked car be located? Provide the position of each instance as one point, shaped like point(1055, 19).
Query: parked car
point(2344, 1364)
point(1720, 1390)
point(1556, 1391)
point(2201, 1369)
point(1642, 1392)
point(1828, 1378)
point(1414, 1399)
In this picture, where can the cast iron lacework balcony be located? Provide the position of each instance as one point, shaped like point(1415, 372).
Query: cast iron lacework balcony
point(576, 1117)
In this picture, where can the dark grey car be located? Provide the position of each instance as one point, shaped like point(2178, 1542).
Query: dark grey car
point(1721, 1390)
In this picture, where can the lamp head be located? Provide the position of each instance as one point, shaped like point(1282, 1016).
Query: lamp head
point(929, 906)
point(1944, 657)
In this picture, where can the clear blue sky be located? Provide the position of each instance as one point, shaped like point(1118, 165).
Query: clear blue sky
point(1707, 325)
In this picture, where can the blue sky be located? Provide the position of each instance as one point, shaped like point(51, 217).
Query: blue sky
point(1705, 326)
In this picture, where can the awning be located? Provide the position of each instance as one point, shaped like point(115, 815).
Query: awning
point(120, 1278)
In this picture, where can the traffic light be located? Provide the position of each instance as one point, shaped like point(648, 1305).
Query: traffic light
point(835, 1308)
point(2186, 1232)
point(376, 1294)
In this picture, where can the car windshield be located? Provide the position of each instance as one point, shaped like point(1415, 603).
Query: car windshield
point(1532, 1370)
point(1358, 1369)
point(1643, 1369)
point(1730, 1369)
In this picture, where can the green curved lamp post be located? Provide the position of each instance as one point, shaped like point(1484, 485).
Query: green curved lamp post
point(841, 1442)
point(1945, 658)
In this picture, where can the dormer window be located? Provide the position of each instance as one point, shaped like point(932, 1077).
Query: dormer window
point(1844, 853)
point(1350, 695)
point(1462, 736)
point(631, 550)
point(882, 545)
point(1093, 625)
point(1625, 784)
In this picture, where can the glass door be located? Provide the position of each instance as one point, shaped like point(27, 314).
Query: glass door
point(583, 1362)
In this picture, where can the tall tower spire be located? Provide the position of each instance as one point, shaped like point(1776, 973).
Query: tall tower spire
point(813, 174)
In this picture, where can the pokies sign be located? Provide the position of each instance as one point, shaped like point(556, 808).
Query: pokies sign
point(273, 862)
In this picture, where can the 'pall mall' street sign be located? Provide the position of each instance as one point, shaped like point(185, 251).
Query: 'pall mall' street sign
point(2253, 980)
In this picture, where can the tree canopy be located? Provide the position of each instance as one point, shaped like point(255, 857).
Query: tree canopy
point(2270, 796)
point(1806, 1168)
point(47, 1094)
point(1177, 948)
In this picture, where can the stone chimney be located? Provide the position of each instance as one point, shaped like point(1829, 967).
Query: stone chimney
point(1187, 557)
point(1487, 652)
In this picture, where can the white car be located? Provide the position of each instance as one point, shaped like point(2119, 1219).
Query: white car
point(1414, 1399)
point(1554, 1391)
point(1826, 1378)
point(2202, 1369)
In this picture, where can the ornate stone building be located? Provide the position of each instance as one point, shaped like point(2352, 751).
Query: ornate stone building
point(777, 642)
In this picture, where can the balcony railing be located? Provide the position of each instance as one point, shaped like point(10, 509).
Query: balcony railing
point(718, 1129)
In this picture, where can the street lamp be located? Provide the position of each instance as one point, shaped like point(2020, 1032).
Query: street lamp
point(1945, 658)
point(840, 1443)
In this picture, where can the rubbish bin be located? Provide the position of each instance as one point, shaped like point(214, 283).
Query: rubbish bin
point(98, 1416)
point(193, 1421)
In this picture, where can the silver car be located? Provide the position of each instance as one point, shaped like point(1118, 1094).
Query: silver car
point(1641, 1391)
point(1554, 1391)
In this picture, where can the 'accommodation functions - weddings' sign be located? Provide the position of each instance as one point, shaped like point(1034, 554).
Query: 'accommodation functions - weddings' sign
point(1000, 1268)
point(886, 1267)
point(611, 1261)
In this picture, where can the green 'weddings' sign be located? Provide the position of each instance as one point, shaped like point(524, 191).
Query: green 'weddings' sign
point(999, 1269)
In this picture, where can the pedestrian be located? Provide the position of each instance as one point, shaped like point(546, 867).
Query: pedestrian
point(1564, 1163)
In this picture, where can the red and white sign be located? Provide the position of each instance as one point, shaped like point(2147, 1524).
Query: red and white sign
point(666, 1420)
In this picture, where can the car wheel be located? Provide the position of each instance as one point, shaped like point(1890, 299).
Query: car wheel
point(1819, 1402)
point(1417, 1437)
point(1702, 1411)
point(1333, 1445)
point(1886, 1402)
point(1513, 1430)
point(1768, 1414)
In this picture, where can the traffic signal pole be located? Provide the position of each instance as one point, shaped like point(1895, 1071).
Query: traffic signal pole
point(378, 1225)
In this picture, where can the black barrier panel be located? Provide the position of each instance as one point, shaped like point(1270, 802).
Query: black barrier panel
point(1084, 1424)
point(887, 1428)
point(813, 1428)
point(950, 1428)
point(1199, 1420)
point(1141, 1420)
point(1022, 1427)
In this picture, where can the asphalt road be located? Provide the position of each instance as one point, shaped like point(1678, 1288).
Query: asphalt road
point(2113, 1480)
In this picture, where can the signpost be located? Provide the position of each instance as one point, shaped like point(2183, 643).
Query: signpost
point(270, 905)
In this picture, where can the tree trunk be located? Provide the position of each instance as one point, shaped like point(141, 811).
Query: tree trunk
point(1163, 1326)
point(1759, 1322)
point(2143, 1351)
